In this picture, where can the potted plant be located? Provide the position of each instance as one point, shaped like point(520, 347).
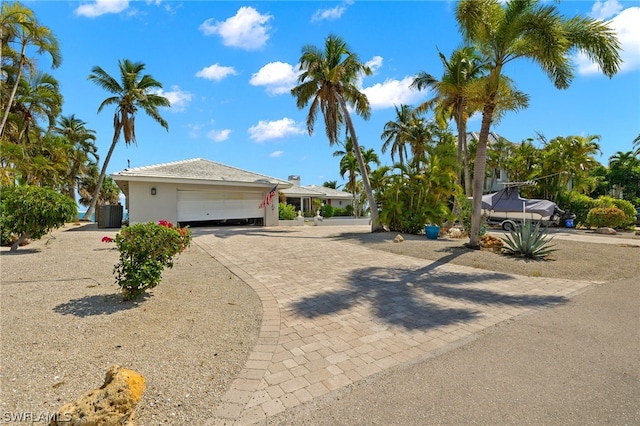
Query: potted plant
point(436, 213)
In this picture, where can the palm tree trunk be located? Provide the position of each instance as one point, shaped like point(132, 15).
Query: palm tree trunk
point(103, 173)
point(467, 172)
point(375, 219)
point(5, 117)
point(478, 173)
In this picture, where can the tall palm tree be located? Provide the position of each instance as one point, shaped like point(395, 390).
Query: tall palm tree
point(26, 31)
point(455, 97)
point(328, 80)
point(533, 30)
point(134, 91)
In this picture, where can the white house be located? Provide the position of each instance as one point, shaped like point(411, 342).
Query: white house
point(301, 197)
point(199, 190)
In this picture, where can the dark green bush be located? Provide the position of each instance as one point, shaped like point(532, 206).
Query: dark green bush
point(145, 250)
point(578, 204)
point(30, 212)
point(610, 217)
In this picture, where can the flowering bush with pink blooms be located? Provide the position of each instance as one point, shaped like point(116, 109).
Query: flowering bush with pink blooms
point(145, 250)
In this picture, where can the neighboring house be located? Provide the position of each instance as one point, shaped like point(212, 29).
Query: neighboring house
point(198, 190)
point(496, 178)
point(301, 197)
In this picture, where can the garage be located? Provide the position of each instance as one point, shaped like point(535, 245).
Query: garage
point(220, 206)
point(199, 191)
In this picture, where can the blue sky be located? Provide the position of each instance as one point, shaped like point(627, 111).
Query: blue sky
point(228, 66)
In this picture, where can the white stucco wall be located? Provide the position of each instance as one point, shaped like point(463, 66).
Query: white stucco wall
point(144, 207)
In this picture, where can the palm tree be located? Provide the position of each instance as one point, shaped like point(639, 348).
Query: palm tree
point(82, 143)
point(38, 97)
point(395, 133)
point(328, 80)
point(455, 97)
point(333, 184)
point(621, 169)
point(25, 30)
point(135, 91)
point(527, 29)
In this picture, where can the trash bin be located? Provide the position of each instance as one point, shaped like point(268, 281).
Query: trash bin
point(110, 216)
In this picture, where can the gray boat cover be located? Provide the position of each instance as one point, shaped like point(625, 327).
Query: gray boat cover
point(509, 200)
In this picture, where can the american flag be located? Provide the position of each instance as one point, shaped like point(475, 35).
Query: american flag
point(268, 197)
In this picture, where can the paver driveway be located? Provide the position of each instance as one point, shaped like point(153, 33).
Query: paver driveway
point(335, 313)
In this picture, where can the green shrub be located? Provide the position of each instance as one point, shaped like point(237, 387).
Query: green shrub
point(30, 212)
point(145, 250)
point(465, 206)
point(579, 204)
point(327, 211)
point(528, 241)
point(624, 205)
point(610, 217)
point(286, 212)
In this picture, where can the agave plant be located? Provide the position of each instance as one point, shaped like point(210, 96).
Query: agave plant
point(528, 241)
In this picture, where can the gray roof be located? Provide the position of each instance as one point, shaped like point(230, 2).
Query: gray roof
point(316, 191)
point(330, 192)
point(198, 169)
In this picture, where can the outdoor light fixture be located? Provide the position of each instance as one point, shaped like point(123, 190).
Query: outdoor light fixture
point(153, 191)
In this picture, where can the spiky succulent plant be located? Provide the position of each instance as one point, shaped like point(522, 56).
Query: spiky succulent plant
point(529, 241)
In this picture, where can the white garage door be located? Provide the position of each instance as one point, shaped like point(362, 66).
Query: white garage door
point(218, 205)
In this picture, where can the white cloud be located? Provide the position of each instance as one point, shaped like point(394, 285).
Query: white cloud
point(605, 9)
point(374, 63)
point(276, 154)
point(101, 7)
point(626, 26)
point(393, 92)
point(328, 14)
point(216, 72)
point(248, 29)
point(278, 77)
point(278, 129)
point(219, 135)
point(179, 99)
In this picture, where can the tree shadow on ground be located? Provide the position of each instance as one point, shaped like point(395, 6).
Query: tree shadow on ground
point(411, 298)
point(98, 304)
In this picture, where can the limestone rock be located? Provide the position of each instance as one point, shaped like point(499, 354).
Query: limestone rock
point(398, 239)
point(607, 231)
point(111, 404)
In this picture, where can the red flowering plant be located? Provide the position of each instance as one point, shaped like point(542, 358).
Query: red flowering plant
point(145, 250)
